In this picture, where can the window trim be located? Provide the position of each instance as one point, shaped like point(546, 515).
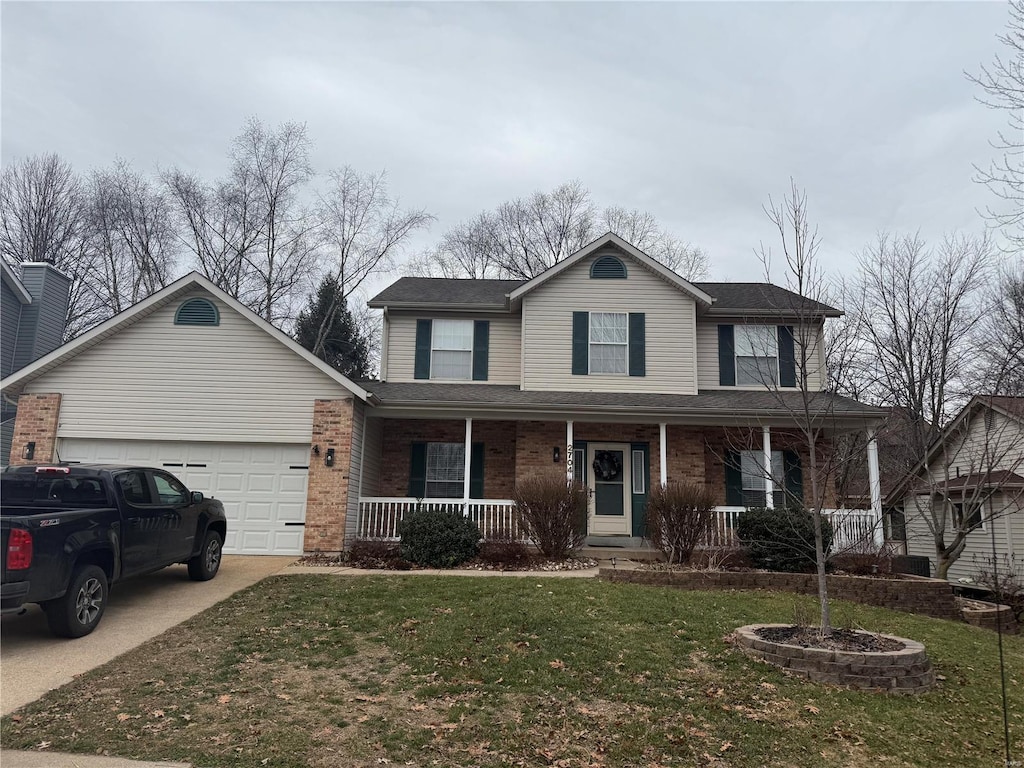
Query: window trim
point(591, 343)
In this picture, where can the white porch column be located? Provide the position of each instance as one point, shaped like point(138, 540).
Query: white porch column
point(466, 466)
point(663, 448)
point(570, 453)
point(875, 486)
point(769, 486)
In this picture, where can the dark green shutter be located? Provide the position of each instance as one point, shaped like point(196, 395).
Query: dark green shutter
point(476, 471)
point(481, 348)
point(418, 470)
point(733, 479)
point(637, 343)
point(726, 356)
point(640, 499)
point(580, 343)
point(787, 357)
point(423, 330)
point(794, 478)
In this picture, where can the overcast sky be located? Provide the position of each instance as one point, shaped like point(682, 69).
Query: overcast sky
point(693, 111)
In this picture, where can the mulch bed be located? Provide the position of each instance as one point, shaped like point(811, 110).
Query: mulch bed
point(839, 640)
point(477, 564)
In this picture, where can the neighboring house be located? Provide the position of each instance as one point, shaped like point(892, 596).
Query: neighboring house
point(608, 367)
point(33, 310)
point(972, 479)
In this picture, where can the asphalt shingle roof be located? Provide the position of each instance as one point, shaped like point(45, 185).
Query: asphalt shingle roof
point(710, 401)
point(743, 297)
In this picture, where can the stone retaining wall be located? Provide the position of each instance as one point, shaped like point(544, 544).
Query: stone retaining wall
point(907, 671)
point(931, 597)
point(985, 615)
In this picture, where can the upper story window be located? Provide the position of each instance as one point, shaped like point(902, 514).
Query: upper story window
point(608, 342)
point(757, 355)
point(608, 268)
point(451, 351)
point(197, 312)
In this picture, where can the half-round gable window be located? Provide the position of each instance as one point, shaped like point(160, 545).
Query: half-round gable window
point(197, 312)
point(608, 268)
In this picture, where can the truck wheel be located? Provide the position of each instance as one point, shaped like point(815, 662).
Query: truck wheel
point(80, 610)
point(205, 565)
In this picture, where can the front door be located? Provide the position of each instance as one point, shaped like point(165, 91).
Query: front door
point(610, 503)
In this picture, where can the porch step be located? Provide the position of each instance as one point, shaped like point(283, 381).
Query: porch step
point(622, 549)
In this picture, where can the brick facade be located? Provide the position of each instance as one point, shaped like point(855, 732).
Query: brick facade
point(498, 438)
point(37, 420)
point(327, 490)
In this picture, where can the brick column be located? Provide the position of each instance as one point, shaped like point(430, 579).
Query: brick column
point(327, 491)
point(38, 416)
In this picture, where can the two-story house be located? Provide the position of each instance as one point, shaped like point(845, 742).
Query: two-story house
point(608, 367)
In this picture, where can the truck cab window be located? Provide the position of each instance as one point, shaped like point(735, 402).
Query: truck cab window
point(134, 487)
point(169, 490)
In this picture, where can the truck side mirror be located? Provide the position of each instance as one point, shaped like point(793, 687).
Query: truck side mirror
point(197, 496)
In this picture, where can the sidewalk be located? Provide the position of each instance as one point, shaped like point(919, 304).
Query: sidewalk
point(12, 759)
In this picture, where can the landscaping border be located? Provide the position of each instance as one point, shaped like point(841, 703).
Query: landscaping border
point(906, 671)
point(910, 594)
point(980, 613)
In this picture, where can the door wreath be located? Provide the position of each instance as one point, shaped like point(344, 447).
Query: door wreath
point(607, 465)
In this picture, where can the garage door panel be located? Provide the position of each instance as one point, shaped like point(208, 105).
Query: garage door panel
point(260, 485)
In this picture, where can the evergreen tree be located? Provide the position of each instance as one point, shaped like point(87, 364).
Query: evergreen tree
point(327, 329)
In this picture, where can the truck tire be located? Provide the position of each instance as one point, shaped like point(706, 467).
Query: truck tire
point(80, 610)
point(205, 565)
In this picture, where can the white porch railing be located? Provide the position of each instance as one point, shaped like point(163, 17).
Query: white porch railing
point(379, 517)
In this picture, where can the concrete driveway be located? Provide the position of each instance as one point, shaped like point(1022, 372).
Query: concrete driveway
point(33, 662)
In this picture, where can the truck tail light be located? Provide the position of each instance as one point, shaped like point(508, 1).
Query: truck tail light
point(19, 550)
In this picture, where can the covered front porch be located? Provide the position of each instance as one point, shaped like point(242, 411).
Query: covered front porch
point(471, 466)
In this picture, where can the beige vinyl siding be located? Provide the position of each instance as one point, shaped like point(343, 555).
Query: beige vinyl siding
point(1009, 535)
point(707, 352)
point(503, 345)
point(669, 330)
point(226, 383)
point(992, 442)
point(373, 454)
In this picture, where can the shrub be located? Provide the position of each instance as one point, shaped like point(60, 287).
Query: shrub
point(679, 515)
point(552, 513)
point(438, 539)
point(782, 539)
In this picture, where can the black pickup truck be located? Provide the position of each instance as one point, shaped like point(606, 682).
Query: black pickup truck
point(70, 531)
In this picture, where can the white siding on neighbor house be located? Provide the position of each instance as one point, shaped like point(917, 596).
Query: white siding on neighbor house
point(669, 330)
point(503, 344)
point(1009, 535)
point(226, 383)
point(707, 352)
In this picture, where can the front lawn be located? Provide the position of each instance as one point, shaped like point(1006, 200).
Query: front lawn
point(493, 671)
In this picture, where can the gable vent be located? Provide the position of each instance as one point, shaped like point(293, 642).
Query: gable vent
point(197, 312)
point(608, 268)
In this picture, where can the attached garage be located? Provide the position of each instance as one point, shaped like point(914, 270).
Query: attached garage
point(262, 487)
point(191, 381)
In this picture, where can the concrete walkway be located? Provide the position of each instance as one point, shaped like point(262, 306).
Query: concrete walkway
point(44, 759)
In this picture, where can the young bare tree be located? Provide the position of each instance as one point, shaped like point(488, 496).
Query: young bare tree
point(467, 250)
point(1002, 85)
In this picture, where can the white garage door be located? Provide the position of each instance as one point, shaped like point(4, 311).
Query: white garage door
point(262, 487)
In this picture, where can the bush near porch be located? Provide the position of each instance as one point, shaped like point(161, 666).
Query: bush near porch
point(552, 513)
